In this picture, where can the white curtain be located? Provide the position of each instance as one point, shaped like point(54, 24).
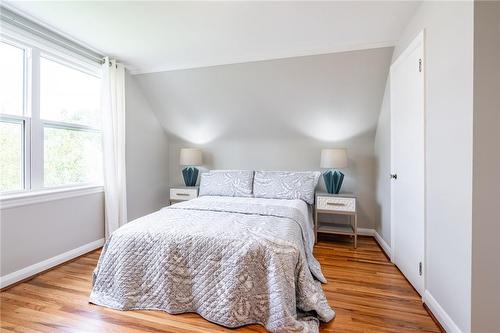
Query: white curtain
point(113, 108)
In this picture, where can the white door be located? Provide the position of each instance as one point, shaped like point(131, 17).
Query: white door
point(407, 163)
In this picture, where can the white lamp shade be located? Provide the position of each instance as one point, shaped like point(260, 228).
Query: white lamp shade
point(333, 158)
point(190, 156)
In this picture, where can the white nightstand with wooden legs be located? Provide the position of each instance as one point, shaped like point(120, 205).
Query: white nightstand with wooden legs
point(336, 204)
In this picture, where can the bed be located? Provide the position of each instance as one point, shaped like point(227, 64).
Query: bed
point(233, 260)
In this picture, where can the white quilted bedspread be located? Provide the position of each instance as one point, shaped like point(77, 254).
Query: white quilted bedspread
point(234, 261)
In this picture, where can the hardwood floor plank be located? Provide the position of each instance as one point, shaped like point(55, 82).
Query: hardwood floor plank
point(368, 293)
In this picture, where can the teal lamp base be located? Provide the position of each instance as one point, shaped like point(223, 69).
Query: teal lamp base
point(333, 181)
point(190, 175)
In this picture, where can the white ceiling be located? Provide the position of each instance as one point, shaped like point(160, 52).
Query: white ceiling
point(161, 36)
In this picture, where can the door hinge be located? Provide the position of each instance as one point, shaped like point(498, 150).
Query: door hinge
point(420, 65)
point(420, 268)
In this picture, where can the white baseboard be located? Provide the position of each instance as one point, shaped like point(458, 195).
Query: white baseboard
point(383, 244)
point(441, 315)
point(378, 238)
point(26, 272)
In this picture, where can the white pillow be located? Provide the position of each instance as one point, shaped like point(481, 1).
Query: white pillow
point(229, 183)
point(285, 185)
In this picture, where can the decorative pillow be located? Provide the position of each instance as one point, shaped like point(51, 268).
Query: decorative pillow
point(229, 183)
point(285, 185)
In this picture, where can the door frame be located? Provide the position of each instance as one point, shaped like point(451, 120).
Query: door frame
point(417, 41)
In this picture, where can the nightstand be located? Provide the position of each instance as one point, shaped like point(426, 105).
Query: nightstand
point(183, 193)
point(336, 204)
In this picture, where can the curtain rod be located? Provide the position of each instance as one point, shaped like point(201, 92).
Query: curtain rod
point(16, 20)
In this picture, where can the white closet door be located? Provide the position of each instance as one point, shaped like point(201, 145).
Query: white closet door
point(408, 163)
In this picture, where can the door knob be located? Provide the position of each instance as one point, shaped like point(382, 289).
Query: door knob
point(394, 176)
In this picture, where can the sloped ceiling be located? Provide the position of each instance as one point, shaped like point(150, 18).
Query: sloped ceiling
point(152, 36)
point(329, 98)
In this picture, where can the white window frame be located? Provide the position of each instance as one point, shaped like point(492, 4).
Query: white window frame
point(25, 118)
point(33, 125)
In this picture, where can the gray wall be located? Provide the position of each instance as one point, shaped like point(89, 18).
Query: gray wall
point(146, 155)
point(299, 154)
point(277, 114)
point(33, 233)
point(383, 167)
point(486, 185)
point(449, 95)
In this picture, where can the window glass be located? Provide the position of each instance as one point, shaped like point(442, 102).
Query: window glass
point(70, 117)
point(69, 95)
point(11, 79)
point(71, 156)
point(11, 156)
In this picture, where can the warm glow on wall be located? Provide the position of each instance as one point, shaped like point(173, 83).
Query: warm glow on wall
point(329, 126)
point(200, 131)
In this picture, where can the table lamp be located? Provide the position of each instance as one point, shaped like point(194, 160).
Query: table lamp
point(189, 158)
point(333, 159)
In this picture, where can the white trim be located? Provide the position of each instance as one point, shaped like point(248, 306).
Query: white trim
point(69, 126)
point(373, 233)
point(26, 272)
point(35, 197)
point(440, 314)
point(37, 140)
point(25, 37)
point(246, 59)
point(72, 62)
point(383, 244)
point(26, 24)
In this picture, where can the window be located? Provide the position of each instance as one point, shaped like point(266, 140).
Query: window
point(69, 95)
point(12, 82)
point(69, 109)
point(11, 155)
point(12, 120)
point(50, 120)
point(71, 156)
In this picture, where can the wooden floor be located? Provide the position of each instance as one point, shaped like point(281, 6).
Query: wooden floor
point(367, 292)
